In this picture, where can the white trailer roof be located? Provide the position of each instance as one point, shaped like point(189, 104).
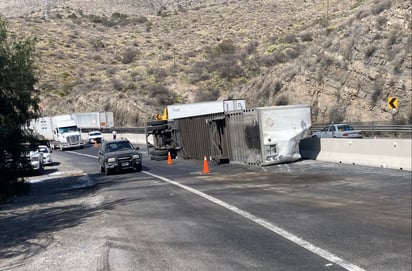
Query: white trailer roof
point(179, 111)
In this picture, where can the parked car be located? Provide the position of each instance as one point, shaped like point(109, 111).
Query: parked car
point(47, 157)
point(118, 155)
point(32, 154)
point(338, 131)
point(95, 137)
point(28, 162)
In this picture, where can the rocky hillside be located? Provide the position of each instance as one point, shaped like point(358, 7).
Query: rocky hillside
point(345, 58)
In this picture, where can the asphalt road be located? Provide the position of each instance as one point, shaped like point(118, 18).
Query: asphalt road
point(306, 215)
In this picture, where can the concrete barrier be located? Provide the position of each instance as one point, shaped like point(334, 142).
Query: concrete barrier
point(134, 138)
point(382, 152)
point(387, 153)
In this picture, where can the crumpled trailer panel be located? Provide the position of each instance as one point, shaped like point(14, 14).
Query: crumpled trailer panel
point(267, 135)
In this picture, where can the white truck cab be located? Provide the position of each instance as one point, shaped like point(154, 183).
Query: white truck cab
point(66, 134)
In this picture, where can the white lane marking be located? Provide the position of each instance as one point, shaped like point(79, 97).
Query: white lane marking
point(266, 224)
point(82, 154)
point(87, 155)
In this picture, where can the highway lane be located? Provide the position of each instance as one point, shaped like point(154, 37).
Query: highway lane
point(360, 215)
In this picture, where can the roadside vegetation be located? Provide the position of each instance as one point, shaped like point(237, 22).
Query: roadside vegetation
point(18, 103)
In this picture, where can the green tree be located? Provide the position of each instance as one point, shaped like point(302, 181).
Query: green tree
point(18, 98)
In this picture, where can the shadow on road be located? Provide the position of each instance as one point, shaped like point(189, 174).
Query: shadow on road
point(28, 224)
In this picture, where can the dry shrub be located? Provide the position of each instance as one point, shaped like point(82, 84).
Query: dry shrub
point(306, 36)
point(362, 13)
point(129, 55)
point(380, 5)
point(226, 47)
point(161, 94)
point(159, 73)
point(347, 48)
point(282, 100)
point(290, 38)
point(118, 84)
point(376, 93)
point(199, 72)
point(208, 94)
point(369, 51)
point(337, 114)
point(226, 66)
point(392, 38)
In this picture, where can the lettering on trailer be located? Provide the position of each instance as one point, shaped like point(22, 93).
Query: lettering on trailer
point(392, 103)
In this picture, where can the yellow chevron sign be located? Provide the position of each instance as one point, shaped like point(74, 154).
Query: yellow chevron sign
point(392, 103)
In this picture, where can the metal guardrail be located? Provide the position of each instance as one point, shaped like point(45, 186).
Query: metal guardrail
point(315, 127)
point(373, 128)
point(120, 130)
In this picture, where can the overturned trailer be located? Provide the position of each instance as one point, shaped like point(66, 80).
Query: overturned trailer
point(256, 136)
point(267, 135)
point(167, 134)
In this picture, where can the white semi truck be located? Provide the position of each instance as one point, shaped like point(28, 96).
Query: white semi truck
point(60, 131)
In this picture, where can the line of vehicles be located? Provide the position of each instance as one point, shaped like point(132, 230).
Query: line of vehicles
point(33, 158)
point(64, 131)
point(54, 132)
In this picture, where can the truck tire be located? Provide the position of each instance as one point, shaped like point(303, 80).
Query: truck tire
point(157, 128)
point(138, 167)
point(159, 152)
point(158, 157)
point(155, 122)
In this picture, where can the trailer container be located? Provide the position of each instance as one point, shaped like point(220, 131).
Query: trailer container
point(179, 111)
point(267, 135)
point(94, 120)
point(163, 136)
point(257, 136)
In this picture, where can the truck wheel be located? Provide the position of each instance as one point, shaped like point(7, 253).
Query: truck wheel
point(156, 122)
point(101, 169)
point(157, 128)
point(138, 167)
point(159, 152)
point(159, 157)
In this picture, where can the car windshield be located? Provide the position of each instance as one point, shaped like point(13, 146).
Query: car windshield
point(345, 128)
point(68, 129)
point(117, 146)
point(43, 149)
point(95, 134)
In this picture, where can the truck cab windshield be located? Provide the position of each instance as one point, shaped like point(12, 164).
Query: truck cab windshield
point(68, 129)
